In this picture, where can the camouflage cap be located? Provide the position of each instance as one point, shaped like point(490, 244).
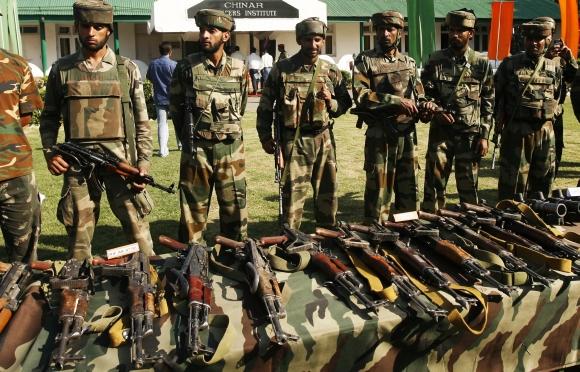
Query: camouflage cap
point(460, 18)
point(389, 17)
point(310, 26)
point(93, 11)
point(215, 18)
point(548, 20)
point(537, 30)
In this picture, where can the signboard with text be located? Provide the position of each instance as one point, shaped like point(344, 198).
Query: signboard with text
point(248, 8)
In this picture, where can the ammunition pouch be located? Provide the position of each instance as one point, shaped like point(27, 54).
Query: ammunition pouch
point(143, 203)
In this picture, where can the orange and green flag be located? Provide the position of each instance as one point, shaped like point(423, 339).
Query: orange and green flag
point(500, 36)
point(421, 23)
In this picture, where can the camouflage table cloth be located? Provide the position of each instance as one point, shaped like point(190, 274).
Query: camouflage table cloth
point(536, 330)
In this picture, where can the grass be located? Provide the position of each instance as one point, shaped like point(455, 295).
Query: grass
point(262, 192)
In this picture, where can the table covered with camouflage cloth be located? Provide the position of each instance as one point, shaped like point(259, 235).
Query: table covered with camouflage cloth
point(536, 330)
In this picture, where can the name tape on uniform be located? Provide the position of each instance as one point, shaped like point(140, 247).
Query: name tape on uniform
point(122, 251)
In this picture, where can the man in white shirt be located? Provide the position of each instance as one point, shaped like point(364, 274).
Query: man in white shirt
point(237, 54)
point(254, 64)
point(267, 63)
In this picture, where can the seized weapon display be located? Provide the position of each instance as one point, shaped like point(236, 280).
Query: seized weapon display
point(341, 277)
point(448, 250)
point(388, 271)
point(192, 283)
point(15, 280)
point(88, 160)
point(460, 224)
point(548, 210)
point(142, 308)
point(75, 284)
point(262, 282)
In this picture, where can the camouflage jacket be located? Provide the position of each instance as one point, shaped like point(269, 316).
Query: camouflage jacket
point(18, 97)
point(381, 83)
point(575, 95)
point(212, 105)
point(538, 103)
point(282, 87)
point(472, 101)
point(56, 107)
point(569, 70)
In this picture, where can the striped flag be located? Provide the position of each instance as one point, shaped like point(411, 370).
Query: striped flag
point(500, 37)
point(421, 23)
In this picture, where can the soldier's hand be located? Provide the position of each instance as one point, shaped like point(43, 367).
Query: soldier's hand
point(57, 165)
point(409, 107)
point(427, 111)
point(139, 187)
point(482, 147)
point(445, 118)
point(565, 53)
point(324, 94)
point(269, 146)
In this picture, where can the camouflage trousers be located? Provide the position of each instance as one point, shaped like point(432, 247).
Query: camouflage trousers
point(527, 163)
point(213, 164)
point(391, 165)
point(444, 147)
point(312, 162)
point(559, 138)
point(79, 209)
point(20, 217)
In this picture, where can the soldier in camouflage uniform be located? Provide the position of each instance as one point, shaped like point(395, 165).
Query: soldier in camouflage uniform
point(460, 80)
point(562, 55)
point(524, 114)
point(388, 86)
point(19, 206)
point(100, 98)
point(208, 98)
point(306, 93)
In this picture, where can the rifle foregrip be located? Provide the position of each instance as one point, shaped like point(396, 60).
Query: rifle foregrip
point(428, 216)
point(4, 267)
point(172, 243)
point(128, 169)
point(226, 242)
point(273, 240)
point(150, 302)
point(452, 252)
point(394, 225)
point(83, 305)
point(137, 298)
point(379, 266)
point(323, 262)
point(448, 213)
point(328, 233)
point(68, 303)
point(196, 288)
point(5, 316)
point(359, 228)
point(99, 261)
point(475, 208)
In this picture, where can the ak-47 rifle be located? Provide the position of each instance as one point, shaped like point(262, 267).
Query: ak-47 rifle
point(388, 271)
point(279, 165)
point(262, 282)
point(88, 160)
point(448, 250)
point(16, 278)
point(75, 283)
point(461, 224)
point(142, 291)
point(380, 114)
point(341, 277)
point(192, 282)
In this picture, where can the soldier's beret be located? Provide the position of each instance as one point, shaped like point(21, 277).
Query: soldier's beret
point(548, 20)
point(389, 17)
point(310, 26)
point(460, 18)
point(215, 18)
point(537, 30)
point(93, 11)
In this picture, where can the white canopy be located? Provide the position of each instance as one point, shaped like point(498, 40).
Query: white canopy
point(250, 15)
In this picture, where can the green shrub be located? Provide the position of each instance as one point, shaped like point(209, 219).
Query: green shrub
point(41, 84)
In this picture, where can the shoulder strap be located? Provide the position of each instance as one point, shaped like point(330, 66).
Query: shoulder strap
point(127, 111)
point(523, 91)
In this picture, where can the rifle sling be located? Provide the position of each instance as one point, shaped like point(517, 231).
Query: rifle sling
point(288, 262)
point(128, 120)
point(376, 285)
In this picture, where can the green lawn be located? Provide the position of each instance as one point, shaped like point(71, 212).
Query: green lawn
point(262, 192)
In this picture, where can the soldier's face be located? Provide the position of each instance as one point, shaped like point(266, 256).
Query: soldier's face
point(311, 45)
point(459, 37)
point(387, 36)
point(212, 39)
point(534, 45)
point(93, 37)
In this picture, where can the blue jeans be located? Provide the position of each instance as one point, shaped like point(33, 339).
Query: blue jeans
point(255, 76)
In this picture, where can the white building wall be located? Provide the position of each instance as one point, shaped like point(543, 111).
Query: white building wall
point(31, 48)
point(346, 39)
point(127, 45)
point(51, 54)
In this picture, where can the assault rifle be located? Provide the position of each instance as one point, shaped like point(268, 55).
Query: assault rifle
point(262, 282)
point(460, 223)
point(192, 282)
point(88, 160)
point(381, 114)
point(16, 278)
point(388, 271)
point(279, 165)
point(496, 139)
point(341, 277)
point(137, 270)
point(75, 283)
point(448, 250)
point(419, 263)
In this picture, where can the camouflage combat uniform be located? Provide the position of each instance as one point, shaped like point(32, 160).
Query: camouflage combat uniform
point(19, 206)
point(103, 108)
point(575, 95)
point(527, 153)
point(213, 149)
point(470, 101)
point(309, 158)
point(390, 146)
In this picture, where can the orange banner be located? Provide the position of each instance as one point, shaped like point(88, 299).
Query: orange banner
point(500, 34)
point(563, 18)
point(569, 31)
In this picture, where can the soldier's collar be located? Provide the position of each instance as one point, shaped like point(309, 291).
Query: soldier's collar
point(452, 56)
point(109, 57)
point(209, 64)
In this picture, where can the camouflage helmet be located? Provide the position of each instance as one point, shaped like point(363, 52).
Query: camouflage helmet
point(462, 18)
point(389, 17)
point(215, 18)
point(310, 26)
point(93, 12)
point(537, 30)
point(547, 20)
